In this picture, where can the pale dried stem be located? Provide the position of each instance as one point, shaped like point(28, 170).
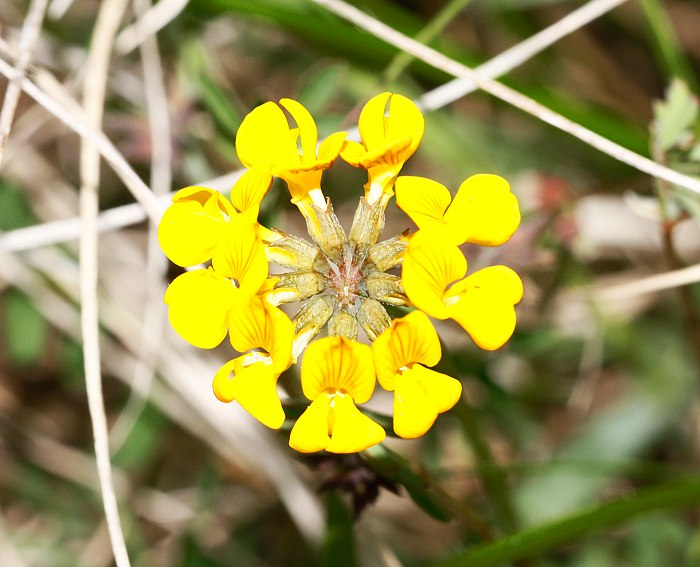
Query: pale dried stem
point(506, 94)
point(649, 284)
point(77, 123)
point(518, 54)
point(108, 19)
point(30, 33)
point(148, 24)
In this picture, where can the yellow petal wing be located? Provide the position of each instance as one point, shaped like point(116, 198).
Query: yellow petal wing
point(223, 382)
point(404, 120)
point(485, 308)
point(310, 432)
point(443, 390)
point(424, 200)
point(254, 386)
point(484, 211)
point(192, 225)
point(429, 266)
point(199, 306)
point(421, 394)
point(352, 430)
point(338, 363)
point(329, 149)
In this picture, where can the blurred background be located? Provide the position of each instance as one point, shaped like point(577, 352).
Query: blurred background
point(594, 399)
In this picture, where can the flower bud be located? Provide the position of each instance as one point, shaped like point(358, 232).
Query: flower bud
point(297, 286)
point(366, 226)
point(388, 254)
point(386, 288)
point(326, 231)
point(296, 254)
point(343, 324)
point(373, 318)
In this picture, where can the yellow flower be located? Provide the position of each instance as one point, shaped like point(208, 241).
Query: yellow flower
point(484, 211)
point(336, 373)
point(251, 379)
point(391, 128)
point(265, 137)
point(420, 394)
point(483, 303)
point(342, 280)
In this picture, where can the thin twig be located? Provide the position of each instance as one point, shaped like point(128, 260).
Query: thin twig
point(518, 54)
point(30, 33)
point(108, 19)
point(506, 94)
point(133, 182)
point(148, 24)
point(649, 284)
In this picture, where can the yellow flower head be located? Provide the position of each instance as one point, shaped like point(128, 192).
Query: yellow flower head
point(391, 128)
point(342, 281)
point(336, 373)
point(266, 137)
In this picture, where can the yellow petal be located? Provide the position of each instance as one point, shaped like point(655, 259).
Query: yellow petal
point(371, 121)
point(264, 137)
point(255, 388)
point(329, 149)
point(484, 211)
point(411, 339)
point(250, 380)
point(404, 120)
point(443, 390)
point(352, 430)
point(421, 394)
point(485, 308)
point(414, 412)
point(429, 266)
point(192, 225)
point(424, 200)
point(240, 254)
point(338, 363)
point(353, 153)
point(308, 133)
point(250, 189)
point(223, 382)
point(310, 432)
point(257, 324)
point(199, 306)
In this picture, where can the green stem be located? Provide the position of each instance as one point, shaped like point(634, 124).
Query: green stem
point(426, 35)
point(666, 45)
point(535, 541)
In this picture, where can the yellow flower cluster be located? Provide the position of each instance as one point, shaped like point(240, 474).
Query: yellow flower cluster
point(343, 281)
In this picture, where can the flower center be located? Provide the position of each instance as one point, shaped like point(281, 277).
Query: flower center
point(345, 280)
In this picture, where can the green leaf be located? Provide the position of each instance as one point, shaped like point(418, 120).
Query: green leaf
point(532, 542)
point(26, 330)
point(674, 116)
point(322, 87)
point(396, 468)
